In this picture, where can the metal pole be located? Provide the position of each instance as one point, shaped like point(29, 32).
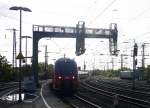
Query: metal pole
point(133, 80)
point(26, 51)
point(20, 99)
point(15, 50)
point(46, 62)
point(121, 62)
point(143, 54)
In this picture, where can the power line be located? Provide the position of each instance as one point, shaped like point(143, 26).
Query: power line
point(142, 35)
point(110, 4)
point(8, 16)
point(139, 15)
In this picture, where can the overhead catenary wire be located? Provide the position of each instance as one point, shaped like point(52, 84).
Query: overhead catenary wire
point(57, 45)
point(140, 14)
point(109, 5)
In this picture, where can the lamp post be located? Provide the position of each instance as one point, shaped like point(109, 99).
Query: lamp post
point(20, 52)
point(46, 62)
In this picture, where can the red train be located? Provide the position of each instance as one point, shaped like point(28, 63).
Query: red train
point(65, 76)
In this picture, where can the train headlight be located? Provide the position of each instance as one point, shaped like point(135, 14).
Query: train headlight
point(73, 77)
point(59, 77)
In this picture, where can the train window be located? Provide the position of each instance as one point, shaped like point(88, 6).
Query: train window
point(66, 68)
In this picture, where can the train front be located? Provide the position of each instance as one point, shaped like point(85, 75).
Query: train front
point(65, 77)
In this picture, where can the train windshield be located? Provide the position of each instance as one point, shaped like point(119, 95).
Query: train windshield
point(66, 67)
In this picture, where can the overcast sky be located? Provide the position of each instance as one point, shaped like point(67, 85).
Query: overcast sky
point(132, 17)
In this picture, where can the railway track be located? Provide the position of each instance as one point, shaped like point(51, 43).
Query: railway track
point(4, 86)
point(140, 86)
point(77, 101)
point(96, 97)
point(122, 91)
point(109, 99)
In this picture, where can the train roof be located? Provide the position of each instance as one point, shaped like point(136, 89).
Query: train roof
point(64, 60)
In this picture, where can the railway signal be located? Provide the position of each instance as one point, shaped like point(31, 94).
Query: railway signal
point(80, 38)
point(135, 53)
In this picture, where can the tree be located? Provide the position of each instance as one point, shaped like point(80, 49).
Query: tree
point(114, 73)
point(5, 69)
point(50, 70)
point(42, 73)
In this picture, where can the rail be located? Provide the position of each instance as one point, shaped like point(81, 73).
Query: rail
point(123, 98)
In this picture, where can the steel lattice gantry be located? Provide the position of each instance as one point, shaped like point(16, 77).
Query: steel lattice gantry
point(41, 31)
